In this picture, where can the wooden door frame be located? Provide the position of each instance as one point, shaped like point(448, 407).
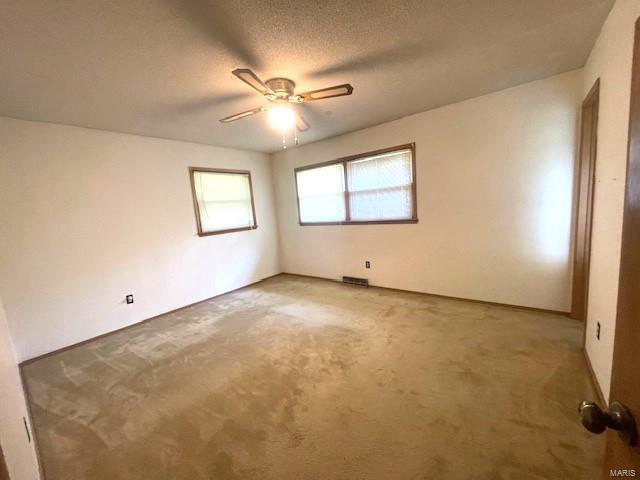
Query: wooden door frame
point(584, 207)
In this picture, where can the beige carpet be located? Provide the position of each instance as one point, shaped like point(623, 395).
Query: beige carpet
point(307, 379)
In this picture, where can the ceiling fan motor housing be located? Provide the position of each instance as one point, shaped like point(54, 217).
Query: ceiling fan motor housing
point(282, 90)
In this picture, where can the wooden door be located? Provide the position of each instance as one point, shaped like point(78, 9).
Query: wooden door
point(584, 213)
point(625, 380)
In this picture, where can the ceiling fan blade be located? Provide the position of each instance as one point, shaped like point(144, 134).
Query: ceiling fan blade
point(336, 91)
point(240, 115)
point(301, 123)
point(250, 78)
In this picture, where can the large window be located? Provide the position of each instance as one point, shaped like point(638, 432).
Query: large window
point(223, 200)
point(374, 187)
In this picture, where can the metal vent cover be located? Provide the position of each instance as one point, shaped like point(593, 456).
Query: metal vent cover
point(361, 282)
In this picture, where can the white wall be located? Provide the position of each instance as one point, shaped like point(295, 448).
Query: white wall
point(610, 61)
point(89, 216)
point(495, 184)
point(19, 453)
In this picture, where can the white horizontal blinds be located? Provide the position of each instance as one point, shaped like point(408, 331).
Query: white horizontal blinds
point(380, 187)
point(321, 194)
point(224, 200)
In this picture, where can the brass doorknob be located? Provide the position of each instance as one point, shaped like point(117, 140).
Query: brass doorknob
point(617, 417)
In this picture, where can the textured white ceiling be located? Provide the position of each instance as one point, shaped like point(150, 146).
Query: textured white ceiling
point(162, 68)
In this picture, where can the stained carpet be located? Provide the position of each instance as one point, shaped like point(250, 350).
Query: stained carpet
point(305, 379)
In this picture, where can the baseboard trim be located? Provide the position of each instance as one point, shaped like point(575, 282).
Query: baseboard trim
point(436, 295)
point(102, 335)
point(97, 337)
point(448, 297)
point(24, 363)
point(594, 379)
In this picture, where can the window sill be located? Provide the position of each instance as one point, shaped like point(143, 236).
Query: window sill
point(367, 222)
point(230, 230)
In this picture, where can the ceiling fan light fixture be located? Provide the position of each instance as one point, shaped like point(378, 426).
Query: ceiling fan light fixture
point(281, 118)
point(280, 93)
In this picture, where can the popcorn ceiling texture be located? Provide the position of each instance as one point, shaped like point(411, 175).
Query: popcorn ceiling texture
point(298, 378)
point(162, 68)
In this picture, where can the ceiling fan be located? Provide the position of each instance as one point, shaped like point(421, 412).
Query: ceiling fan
point(280, 94)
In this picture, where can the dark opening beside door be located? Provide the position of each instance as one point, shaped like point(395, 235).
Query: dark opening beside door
point(4, 474)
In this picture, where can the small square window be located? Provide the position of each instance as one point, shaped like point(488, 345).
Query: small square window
point(223, 200)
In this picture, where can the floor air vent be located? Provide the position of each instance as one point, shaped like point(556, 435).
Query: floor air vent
point(361, 282)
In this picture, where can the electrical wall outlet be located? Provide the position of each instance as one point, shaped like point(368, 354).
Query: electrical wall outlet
point(367, 264)
point(598, 330)
point(129, 298)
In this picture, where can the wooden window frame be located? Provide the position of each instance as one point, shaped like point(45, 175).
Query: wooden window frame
point(201, 233)
point(344, 161)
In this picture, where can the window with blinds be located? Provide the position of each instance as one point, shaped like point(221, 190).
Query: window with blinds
point(321, 194)
point(223, 200)
point(375, 187)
